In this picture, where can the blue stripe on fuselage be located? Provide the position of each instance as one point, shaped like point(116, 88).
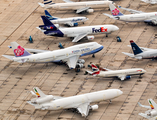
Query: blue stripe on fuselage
point(93, 51)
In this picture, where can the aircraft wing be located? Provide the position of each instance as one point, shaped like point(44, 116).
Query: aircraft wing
point(79, 37)
point(36, 50)
point(145, 106)
point(84, 109)
point(129, 54)
point(82, 9)
point(131, 10)
point(68, 1)
point(122, 77)
point(144, 115)
point(71, 62)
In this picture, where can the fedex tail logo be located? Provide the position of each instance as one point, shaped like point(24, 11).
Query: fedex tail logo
point(102, 29)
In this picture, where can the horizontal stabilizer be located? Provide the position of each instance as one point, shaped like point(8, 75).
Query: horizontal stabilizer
point(144, 115)
point(68, 1)
point(90, 72)
point(35, 105)
point(129, 54)
point(145, 106)
point(41, 4)
point(110, 16)
point(8, 57)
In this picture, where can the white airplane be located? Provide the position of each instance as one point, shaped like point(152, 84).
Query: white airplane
point(69, 55)
point(72, 21)
point(79, 7)
point(78, 33)
point(150, 1)
point(138, 16)
point(152, 112)
point(141, 52)
point(79, 102)
point(121, 74)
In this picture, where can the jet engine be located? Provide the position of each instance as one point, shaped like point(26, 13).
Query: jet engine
point(128, 77)
point(154, 21)
point(152, 113)
point(90, 37)
point(50, 27)
point(71, 24)
point(90, 10)
point(42, 100)
point(80, 63)
point(94, 107)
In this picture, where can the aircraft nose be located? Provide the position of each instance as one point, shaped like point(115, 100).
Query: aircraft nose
point(144, 71)
point(115, 28)
point(120, 92)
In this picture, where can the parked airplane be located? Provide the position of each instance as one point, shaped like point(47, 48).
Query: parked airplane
point(69, 55)
point(141, 52)
point(121, 74)
point(79, 102)
point(152, 112)
point(138, 16)
point(78, 33)
point(79, 7)
point(72, 21)
point(150, 1)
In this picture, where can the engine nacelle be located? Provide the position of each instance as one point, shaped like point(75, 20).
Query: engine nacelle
point(154, 21)
point(78, 65)
point(90, 10)
point(81, 61)
point(43, 100)
point(128, 77)
point(94, 107)
point(90, 37)
point(72, 24)
point(50, 27)
point(152, 113)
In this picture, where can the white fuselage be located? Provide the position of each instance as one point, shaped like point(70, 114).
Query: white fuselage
point(150, 54)
point(61, 54)
point(78, 5)
point(150, 1)
point(116, 73)
point(69, 20)
point(97, 29)
point(138, 17)
point(75, 101)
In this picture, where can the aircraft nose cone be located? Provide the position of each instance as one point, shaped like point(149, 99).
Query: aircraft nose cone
point(120, 92)
point(144, 71)
point(116, 28)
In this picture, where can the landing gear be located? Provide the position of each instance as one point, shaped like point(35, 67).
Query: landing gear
point(110, 101)
point(46, 64)
point(106, 35)
point(93, 56)
point(140, 76)
point(83, 22)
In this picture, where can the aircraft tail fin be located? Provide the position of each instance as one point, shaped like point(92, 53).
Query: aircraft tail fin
point(114, 10)
point(95, 69)
point(49, 16)
point(38, 92)
point(136, 50)
point(18, 50)
point(48, 2)
point(152, 104)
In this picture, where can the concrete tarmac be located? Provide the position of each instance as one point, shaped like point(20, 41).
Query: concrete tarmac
point(18, 21)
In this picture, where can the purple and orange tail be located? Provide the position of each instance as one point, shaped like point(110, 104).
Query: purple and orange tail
point(18, 50)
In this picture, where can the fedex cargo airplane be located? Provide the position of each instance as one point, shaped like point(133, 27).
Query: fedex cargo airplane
point(78, 33)
point(137, 16)
point(121, 74)
point(79, 7)
point(141, 52)
point(80, 103)
point(71, 21)
point(69, 55)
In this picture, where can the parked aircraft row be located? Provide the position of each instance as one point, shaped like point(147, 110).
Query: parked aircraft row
point(78, 33)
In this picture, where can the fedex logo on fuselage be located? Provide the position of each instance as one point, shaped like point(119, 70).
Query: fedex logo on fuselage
point(102, 29)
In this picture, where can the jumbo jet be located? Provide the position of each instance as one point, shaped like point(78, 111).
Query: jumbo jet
point(78, 33)
point(121, 74)
point(152, 112)
point(69, 55)
point(71, 21)
point(79, 102)
point(138, 16)
point(79, 7)
point(141, 52)
point(150, 1)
